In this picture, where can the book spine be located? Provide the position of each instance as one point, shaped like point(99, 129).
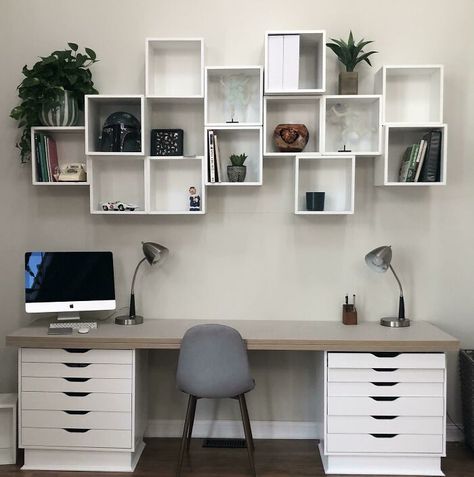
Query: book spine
point(53, 160)
point(405, 164)
point(218, 160)
point(431, 166)
point(44, 169)
point(412, 166)
point(38, 158)
point(212, 162)
point(421, 157)
point(48, 164)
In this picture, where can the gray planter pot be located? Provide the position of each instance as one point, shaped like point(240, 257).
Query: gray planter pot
point(348, 82)
point(236, 173)
point(64, 113)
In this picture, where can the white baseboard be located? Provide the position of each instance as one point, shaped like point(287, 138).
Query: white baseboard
point(260, 429)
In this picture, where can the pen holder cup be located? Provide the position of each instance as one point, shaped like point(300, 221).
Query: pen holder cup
point(349, 315)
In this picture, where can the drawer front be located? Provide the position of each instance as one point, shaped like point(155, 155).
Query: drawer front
point(76, 402)
point(77, 419)
point(88, 385)
point(402, 406)
point(368, 443)
point(76, 370)
point(41, 437)
point(367, 375)
point(387, 360)
point(384, 425)
point(385, 389)
point(75, 355)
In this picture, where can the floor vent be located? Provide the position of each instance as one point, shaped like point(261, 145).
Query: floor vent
point(225, 443)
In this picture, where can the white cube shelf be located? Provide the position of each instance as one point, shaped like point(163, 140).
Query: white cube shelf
point(412, 93)
point(333, 175)
point(396, 139)
point(238, 140)
point(233, 93)
point(99, 107)
point(117, 178)
point(184, 114)
point(169, 183)
point(312, 62)
point(8, 428)
point(174, 67)
point(353, 122)
point(292, 110)
point(70, 147)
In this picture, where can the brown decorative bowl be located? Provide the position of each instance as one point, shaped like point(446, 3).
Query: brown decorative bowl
point(290, 137)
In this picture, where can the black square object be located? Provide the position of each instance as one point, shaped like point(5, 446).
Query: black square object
point(166, 142)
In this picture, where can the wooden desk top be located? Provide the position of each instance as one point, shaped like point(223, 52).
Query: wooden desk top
point(259, 334)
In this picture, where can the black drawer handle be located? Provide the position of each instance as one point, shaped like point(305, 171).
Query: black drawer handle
point(76, 350)
point(77, 380)
point(77, 431)
point(384, 398)
point(385, 370)
point(77, 413)
point(77, 394)
point(385, 354)
point(384, 436)
point(77, 365)
point(386, 383)
point(384, 418)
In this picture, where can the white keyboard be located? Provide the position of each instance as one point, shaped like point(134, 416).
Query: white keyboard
point(75, 325)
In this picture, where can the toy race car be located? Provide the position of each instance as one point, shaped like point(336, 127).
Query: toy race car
point(118, 205)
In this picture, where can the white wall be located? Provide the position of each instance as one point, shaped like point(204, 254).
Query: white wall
point(250, 257)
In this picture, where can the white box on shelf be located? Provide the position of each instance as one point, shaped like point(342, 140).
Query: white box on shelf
point(274, 72)
point(333, 175)
point(353, 122)
point(174, 67)
point(412, 93)
point(8, 411)
point(233, 93)
point(99, 107)
point(396, 139)
point(292, 110)
point(291, 62)
point(70, 149)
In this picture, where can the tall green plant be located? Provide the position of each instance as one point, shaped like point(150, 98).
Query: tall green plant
point(350, 53)
point(61, 70)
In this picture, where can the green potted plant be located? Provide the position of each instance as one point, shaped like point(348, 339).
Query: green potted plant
point(236, 172)
point(350, 54)
point(52, 92)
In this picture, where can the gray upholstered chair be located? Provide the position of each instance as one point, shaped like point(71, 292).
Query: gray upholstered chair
point(213, 363)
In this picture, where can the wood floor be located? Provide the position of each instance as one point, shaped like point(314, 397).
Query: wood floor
point(274, 458)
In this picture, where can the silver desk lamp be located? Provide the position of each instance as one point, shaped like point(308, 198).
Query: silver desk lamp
point(379, 260)
point(154, 253)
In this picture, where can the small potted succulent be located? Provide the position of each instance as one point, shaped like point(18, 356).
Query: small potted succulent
point(350, 54)
point(52, 92)
point(237, 171)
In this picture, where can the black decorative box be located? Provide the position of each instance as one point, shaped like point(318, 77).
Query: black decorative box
point(166, 142)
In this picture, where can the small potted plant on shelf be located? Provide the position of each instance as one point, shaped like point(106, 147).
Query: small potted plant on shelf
point(350, 54)
point(236, 172)
point(52, 92)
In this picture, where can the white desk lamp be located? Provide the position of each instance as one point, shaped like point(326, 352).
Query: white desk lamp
point(379, 260)
point(154, 253)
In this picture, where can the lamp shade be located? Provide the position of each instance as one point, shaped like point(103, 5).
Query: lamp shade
point(379, 258)
point(154, 252)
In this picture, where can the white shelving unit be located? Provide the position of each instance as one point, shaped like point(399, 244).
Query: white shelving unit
point(8, 428)
point(354, 122)
point(305, 110)
point(334, 175)
point(70, 147)
point(312, 62)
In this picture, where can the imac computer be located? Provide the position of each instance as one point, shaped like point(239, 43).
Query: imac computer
point(67, 283)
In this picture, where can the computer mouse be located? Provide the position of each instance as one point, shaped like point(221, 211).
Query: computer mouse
point(83, 331)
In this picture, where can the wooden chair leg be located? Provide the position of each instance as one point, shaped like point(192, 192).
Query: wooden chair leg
point(184, 437)
point(244, 403)
point(248, 433)
point(191, 421)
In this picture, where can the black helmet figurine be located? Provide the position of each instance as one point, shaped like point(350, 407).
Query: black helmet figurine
point(120, 133)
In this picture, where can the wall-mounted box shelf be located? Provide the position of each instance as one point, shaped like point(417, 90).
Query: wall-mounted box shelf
point(70, 148)
point(354, 122)
point(174, 67)
point(290, 110)
point(412, 93)
point(169, 183)
point(233, 93)
point(311, 64)
point(117, 178)
point(334, 175)
point(238, 140)
point(99, 107)
point(396, 139)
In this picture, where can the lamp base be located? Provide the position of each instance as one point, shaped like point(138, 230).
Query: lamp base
point(394, 322)
point(129, 320)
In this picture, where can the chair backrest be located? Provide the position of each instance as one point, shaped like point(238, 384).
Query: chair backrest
point(213, 363)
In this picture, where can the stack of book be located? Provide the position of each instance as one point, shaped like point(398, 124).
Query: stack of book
point(422, 162)
point(214, 168)
point(47, 166)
